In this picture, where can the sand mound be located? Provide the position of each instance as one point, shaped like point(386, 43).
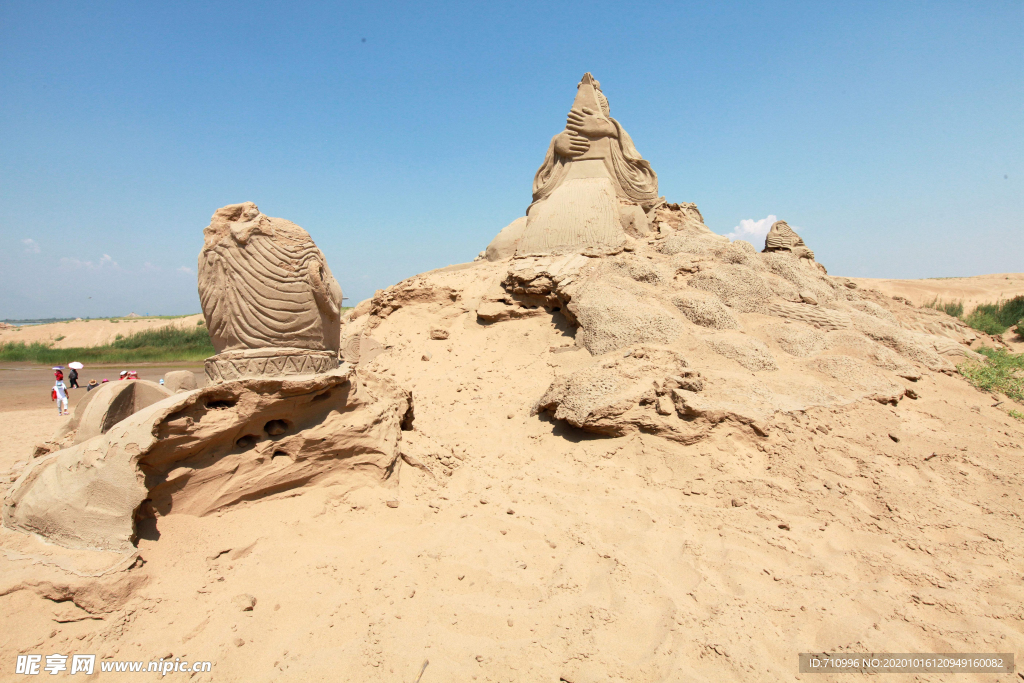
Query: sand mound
point(202, 451)
point(643, 454)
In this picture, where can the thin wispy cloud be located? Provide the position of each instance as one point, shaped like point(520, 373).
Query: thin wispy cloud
point(31, 246)
point(186, 270)
point(106, 262)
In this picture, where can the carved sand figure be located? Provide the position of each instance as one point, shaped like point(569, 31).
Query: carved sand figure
point(271, 420)
point(591, 134)
point(781, 237)
point(270, 301)
point(592, 182)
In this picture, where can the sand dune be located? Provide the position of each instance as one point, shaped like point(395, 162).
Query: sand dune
point(84, 333)
point(972, 291)
point(532, 551)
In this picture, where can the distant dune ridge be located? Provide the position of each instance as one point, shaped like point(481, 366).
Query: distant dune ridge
point(98, 332)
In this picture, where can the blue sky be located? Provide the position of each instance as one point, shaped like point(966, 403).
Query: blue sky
point(404, 136)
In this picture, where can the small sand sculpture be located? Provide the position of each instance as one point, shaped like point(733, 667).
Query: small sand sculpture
point(270, 301)
point(781, 237)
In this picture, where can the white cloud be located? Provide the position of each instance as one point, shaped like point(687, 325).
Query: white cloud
point(753, 231)
point(105, 262)
point(31, 246)
point(186, 270)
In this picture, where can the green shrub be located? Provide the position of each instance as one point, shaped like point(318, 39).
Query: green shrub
point(953, 308)
point(997, 318)
point(1003, 372)
point(164, 337)
point(988, 318)
point(162, 345)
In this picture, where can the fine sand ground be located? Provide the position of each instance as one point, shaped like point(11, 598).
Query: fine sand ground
point(544, 553)
point(26, 386)
point(85, 333)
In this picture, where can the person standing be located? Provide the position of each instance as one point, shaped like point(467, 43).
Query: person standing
point(60, 394)
point(73, 379)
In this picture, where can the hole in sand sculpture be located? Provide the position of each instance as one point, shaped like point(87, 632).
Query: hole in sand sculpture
point(276, 427)
point(322, 397)
point(279, 454)
point(220, 403)
point(247, 440)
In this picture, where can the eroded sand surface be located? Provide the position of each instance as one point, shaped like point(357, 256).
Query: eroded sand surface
point(533, 551)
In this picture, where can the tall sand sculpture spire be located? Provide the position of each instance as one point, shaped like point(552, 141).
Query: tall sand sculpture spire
point(593, 181)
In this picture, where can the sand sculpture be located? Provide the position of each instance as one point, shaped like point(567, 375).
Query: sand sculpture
point(656, 281)
point(180, 380)
point(278, 414)
point(781, 237)
point(102, 408)
point(204, 450)
point(270, 301)
point(759, 437)
point(592, 184)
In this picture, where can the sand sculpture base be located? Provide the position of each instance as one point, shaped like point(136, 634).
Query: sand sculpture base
point(269, 362)
point(582, 213)
point(205, 450)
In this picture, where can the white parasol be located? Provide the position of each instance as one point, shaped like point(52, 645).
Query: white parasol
point(76, 365)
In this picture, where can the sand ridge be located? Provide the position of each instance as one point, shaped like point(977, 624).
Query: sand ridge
point(533, 551)
point(86, 333)
point(972, 291)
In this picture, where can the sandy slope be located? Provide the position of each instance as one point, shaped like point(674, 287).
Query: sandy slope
point(980, 289)
point(538, 552)
point(83, 333)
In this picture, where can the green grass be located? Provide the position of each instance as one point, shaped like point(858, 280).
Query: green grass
point(143, 317)
point(953, 308)
point(997, 318)
point(47, 321)
point(1016, 414)
point(988, 318)
point(1003, 372)
point(166, 344)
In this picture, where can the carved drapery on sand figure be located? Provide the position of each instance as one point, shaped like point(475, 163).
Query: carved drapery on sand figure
point(278, 413)
point(592, 183)
point(270, 301)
